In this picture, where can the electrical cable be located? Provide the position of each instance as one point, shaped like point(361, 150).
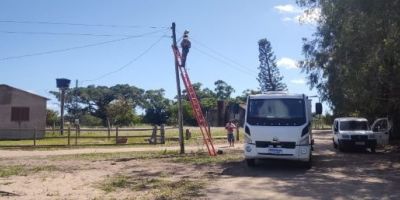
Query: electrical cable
point(78, 47)
point(223, 56)
point(78, 24)
point(128, 63)
point(62, 34)
point(223, 61)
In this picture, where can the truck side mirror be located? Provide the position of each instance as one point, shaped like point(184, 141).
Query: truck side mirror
point(318, 108)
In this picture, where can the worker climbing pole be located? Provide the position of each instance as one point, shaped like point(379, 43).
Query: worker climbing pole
point(180, 63)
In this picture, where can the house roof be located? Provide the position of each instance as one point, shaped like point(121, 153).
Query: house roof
point(26, 92)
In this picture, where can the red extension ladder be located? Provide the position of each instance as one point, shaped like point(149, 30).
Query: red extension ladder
point(201, 121)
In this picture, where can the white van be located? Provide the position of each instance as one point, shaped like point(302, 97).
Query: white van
point(353, 132)
point(278, 126)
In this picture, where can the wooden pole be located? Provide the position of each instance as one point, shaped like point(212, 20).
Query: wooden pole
point(69, 138)
point(162, 134)
point(154, 135)
point(62, 111)
point(178, 88)
point(34, 137)
point(116, 135)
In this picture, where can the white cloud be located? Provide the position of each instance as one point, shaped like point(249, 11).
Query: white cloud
point(288, 63)
point(288, 8)
point(297, 15)
point(298, 81)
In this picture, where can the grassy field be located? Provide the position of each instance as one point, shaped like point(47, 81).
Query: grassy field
point(171, 136)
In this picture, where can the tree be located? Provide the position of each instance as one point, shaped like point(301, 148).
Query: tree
point(269, 77)
point(120, 112)
point(223, 90)
point(353, 58)
point(156, 107)
point(94, 100)
point(245, 93)
point(51, 117)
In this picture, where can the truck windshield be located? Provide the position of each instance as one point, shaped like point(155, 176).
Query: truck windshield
point(276, 112)
point(354, 125)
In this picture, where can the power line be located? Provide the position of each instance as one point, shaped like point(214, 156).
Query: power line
point(128, 63)
point(77, 24)
point(223, 56)
point(223, 61)
point(62, 34)
point(78, 47)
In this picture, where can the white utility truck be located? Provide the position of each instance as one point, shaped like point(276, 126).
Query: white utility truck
point(278, 126)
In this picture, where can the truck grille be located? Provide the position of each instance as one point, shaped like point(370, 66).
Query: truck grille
point(359, 137)
point(265, 144)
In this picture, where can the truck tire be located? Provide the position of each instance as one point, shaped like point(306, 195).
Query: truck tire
point(341, 147)
point(373, 149)
point(251, 162)
point(334, 144)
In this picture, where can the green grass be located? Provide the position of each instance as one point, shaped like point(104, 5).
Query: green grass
point(117, 155)
point(159, 188)
point(23, 170)
point(196, 138)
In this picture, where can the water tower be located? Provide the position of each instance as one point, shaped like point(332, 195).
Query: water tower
point(63, 85)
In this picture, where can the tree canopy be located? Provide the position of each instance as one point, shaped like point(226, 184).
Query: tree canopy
point(353, 58)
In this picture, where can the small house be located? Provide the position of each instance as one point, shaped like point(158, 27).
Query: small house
point(22, 114)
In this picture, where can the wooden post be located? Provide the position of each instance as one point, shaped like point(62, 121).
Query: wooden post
point(76, 135)
point(154, 135)
point(178, 88)
point(188, 134)
point(162, 134)
point(237, 131)
point(116, 135)
point(54, 127)
point(108, 128)
point(34, 137)
point(69, 138)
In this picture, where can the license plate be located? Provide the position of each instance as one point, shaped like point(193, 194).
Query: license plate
point(275, 151)
point(360, 143)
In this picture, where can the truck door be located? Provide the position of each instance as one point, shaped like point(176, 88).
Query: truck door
point(381, 128)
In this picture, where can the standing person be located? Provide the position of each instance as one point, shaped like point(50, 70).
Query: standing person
point(230, 126)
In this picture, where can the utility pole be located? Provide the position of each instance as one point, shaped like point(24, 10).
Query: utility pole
point(178, 87)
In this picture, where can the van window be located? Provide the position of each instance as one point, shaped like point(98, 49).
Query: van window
point(276, 112)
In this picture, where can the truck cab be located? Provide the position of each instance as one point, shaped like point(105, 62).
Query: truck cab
point(278, 126)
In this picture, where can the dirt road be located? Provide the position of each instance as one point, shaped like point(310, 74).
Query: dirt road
point(133, 173)
point(334, 175)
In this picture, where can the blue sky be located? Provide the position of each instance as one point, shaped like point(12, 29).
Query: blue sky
point(224, 42)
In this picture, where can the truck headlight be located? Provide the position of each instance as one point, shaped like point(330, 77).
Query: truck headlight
point(304, 141)
point(345, 136)
point(248, 148)
point(247, 140)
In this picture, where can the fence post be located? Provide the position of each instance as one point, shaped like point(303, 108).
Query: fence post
point(116, 135)
point(69, 138)
point(76, 134)
point(188, 134)
point(237, 131)
point(154, 135)
point(108, 130)
point(162, 134)
point(34, 137)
